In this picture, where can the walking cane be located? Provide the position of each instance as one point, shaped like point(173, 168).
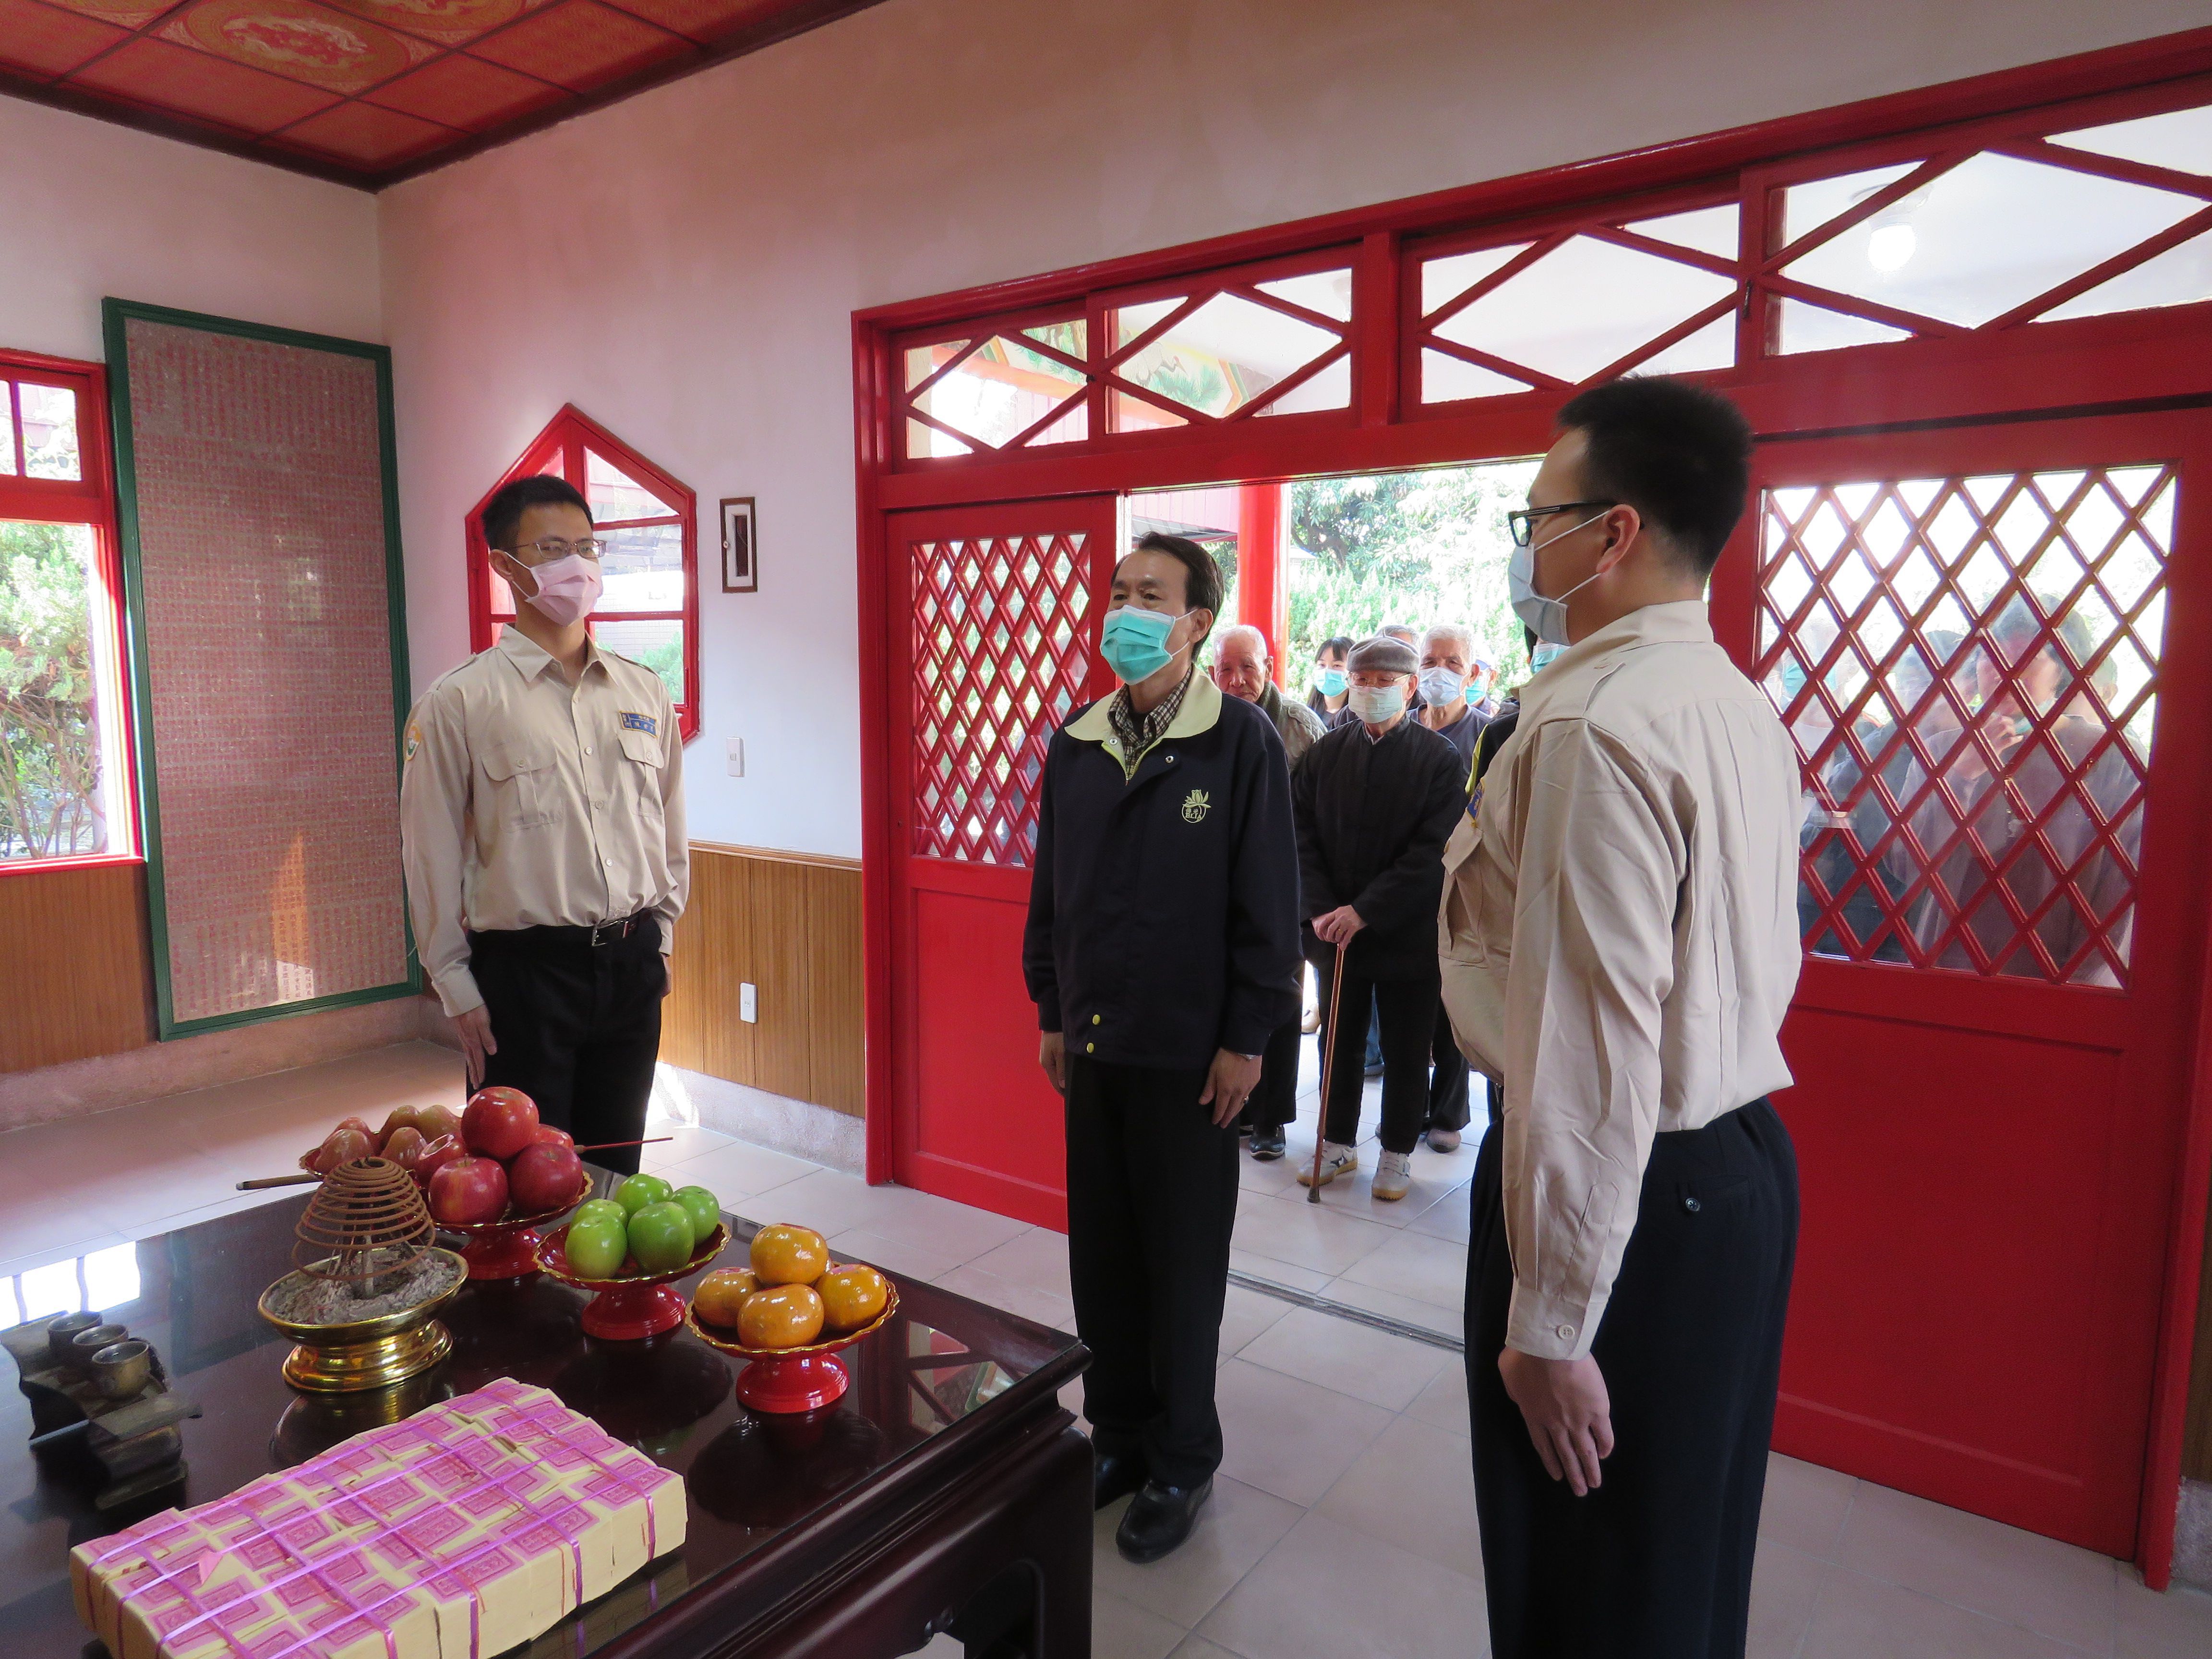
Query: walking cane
point(1327, 1072)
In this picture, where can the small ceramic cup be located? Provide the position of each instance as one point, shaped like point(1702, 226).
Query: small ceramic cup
point(63, 1332)
point(89, 1341)
point(121, 1369)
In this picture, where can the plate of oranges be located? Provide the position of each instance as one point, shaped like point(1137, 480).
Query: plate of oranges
point(788, 1310)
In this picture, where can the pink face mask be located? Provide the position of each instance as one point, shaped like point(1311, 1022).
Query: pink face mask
point(568, 588)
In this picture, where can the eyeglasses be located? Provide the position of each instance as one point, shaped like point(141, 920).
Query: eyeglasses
point(549, 548)
point(1523, 522)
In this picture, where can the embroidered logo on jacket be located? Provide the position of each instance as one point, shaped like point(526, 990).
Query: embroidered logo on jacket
point(648, 724)
point(1195, 806)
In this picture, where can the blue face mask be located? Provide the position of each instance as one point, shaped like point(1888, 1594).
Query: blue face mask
point(1330, 682)
point(1543, 654)
point(1135, 642)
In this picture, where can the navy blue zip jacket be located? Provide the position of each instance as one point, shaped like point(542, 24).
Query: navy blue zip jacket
point(1164, 902)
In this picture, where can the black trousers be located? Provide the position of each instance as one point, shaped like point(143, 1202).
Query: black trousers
point(1274, 1101)
point(578, 1026)
point(1656, 1563)
point(1408, 1009)
point(1448, 1076)
point(1151, 1197)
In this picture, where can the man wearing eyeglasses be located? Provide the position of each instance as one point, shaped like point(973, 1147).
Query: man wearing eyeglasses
point(541, 814)
point(1619, 939)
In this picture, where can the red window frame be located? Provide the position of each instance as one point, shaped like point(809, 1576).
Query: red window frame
point(89, 500)
point(560, 450)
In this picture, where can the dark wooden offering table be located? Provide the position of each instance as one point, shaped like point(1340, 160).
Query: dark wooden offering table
point(948, 1490)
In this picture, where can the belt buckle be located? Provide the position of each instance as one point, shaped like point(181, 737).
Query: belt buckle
point(603, 931)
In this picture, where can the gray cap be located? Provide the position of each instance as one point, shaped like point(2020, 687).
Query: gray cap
point(1381, 654)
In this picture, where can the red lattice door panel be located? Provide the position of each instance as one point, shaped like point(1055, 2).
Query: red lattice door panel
point(994, 629)
point(1989, 645)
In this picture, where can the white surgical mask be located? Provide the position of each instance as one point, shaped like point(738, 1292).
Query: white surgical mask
point(1378, 704)
point(1546, 618)
point(1440, 687)
point(568, 588)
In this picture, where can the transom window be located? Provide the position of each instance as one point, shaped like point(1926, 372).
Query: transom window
point(649, 611)
point(66, 766)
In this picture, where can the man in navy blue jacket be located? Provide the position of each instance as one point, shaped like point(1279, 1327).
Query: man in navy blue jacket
point(1162, 952)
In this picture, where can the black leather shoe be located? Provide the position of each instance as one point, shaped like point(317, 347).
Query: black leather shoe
point(1159, 1520)
point(1267, 1143)
point(1114, 1474)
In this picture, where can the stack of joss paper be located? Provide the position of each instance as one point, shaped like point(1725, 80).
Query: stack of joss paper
point(468, 1529)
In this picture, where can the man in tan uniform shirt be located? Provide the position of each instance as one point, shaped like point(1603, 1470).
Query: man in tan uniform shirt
point(542, 828)
point(1619, 945)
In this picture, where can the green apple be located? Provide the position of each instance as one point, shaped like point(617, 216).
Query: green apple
point(660, 1237)
point(639, 1190)
point(602, 1209)
point(704, 1209)
point(596, 1248)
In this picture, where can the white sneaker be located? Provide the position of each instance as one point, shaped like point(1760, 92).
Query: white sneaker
point(1394, 1174)
point(1444, 1140)
point(1335, 1160)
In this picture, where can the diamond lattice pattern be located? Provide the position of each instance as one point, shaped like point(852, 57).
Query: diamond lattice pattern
point(1001, 652)
point(1969, 668)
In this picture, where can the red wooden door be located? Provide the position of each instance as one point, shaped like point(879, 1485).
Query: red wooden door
point(996, 612)
point(1993, 648)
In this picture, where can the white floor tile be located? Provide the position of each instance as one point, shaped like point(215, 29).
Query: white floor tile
point(1038, 1258)
point(1120, 1629)
point(1245, 1316)
point(1288, 1437)
point(1785, 1583)
point(1805, 1505)
point(1413, 1489)
point(1315, 1236)
point(1445, 1322)
point(1277, 1273)
point(1443, 1404)
point(740, 1174)
point(1431, 1270)
point(2177, 1625)
point(1329, 1590)
point(900, 1261)
point(1856, 1617)
point(1383, 1369)
point(1238, 1525)
point(1005, 1294)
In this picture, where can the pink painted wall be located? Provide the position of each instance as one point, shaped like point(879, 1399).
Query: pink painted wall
point(683, 267)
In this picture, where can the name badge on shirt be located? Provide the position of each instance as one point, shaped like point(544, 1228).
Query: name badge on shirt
point(648, 724)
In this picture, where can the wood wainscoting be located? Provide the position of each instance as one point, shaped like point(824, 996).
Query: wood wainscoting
point(789, 925)
point(79, 972)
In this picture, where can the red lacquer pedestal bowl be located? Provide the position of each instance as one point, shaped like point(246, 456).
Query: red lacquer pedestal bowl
point(632, 1305)
point(803, 1379)
point(507, 1248)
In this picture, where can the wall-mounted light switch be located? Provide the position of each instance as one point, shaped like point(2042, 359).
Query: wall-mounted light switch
point(749, 1005)
point(737, 753)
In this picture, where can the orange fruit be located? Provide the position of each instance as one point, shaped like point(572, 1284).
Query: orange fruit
point(851, 1297)
point(780, 1317)
point(721, 1294)
point(784, 1254)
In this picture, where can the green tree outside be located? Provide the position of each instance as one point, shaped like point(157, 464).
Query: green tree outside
point(50, 784)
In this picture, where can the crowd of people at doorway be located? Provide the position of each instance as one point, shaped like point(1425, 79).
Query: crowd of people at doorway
point(1598, 885)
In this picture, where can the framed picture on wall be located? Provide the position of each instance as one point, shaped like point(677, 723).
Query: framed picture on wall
point(740, 572)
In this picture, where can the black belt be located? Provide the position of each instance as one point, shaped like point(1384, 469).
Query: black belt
point(598, 934)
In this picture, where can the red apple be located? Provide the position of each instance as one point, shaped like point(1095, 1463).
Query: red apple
point(436, 1155)
point(499, 1122)
point(547, 1135)
point(342, 1145)
point(469, 1192)
point(404, 1145)
point(544, 1178)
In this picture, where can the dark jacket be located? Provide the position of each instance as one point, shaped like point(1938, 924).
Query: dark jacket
point(1163, 906)
point(1373, 818)
point(1462, 733)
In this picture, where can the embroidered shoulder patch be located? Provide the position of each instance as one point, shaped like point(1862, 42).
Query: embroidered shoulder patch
point(414, 738)
point(647, 723)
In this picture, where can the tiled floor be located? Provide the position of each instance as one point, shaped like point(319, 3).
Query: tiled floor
point(1343, 1520)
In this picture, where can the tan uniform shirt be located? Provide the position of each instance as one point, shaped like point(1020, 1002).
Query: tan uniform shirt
point(528, 803)
point(1619, 937)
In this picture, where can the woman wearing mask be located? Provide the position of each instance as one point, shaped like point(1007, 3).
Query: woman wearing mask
point(1374, 801)
point(1329, 697)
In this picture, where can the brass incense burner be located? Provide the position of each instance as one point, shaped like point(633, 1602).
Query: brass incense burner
point(369, 1280)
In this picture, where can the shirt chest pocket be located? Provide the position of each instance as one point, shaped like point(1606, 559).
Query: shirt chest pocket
point(522, 783)
point(643, 757)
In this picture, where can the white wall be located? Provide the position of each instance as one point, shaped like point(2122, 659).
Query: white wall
point(684, 266)
point(90, 210)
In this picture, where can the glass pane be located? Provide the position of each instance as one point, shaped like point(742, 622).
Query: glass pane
point(658, 644)
point(1712, 346)
point(1130, 321)
point(1000, 390)
point(1331, 388)
point(1225, 354)
point(1068, 338)
point(1135, 415)
point(924, 360)
point(7, 431)
point(2181, 139)
point(1816, 328)
point(614, 494)
point(1582, 306)
point(49, 430)
point(61, 774)
point(929, 441)
point(1444, 280)
point(1984, 237)
point(643, 568)
point(1806, 206)
point(1446, 378)
point(1709, 230)
point(2180, 277)
point(1328, 292)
